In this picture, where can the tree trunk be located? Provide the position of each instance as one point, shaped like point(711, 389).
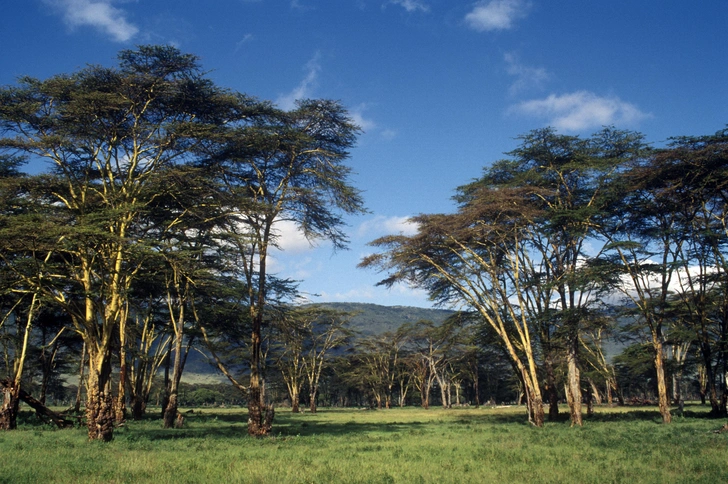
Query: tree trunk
point(425, 396)
point(138, 407)
point(536, 411)
point(82, 367)
point(573, 388)
point(120, 402)
point(662, 396)
point(590, 401)
point(99, 401)
point(260, 416)
point(551, 392)
point(170, 410)
point(9, 410)
point(295, 401)
point(312, 401)
point(41, 410)
point(167, 382)
point(595, 392)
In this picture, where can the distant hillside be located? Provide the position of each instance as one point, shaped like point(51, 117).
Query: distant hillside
point(372, 319)
point(369, 319)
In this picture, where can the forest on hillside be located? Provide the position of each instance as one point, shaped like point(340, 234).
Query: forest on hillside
point(585, 270)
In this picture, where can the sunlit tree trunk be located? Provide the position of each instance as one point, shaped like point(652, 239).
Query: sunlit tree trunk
point(663, 400)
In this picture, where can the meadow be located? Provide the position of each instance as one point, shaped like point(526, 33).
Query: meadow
point(408, 445)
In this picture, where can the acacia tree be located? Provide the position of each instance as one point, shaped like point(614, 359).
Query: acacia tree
point(278, 167)
point(566, 179)
point(327, 330)
point(106, 132)
point(693, 169)
point(292, 335)
point(379, 363)
point(474, 257)
point(645, 246)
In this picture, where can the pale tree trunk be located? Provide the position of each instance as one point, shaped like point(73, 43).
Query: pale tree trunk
point(573, 387)
point(120, 403)
point(403, 389)
point(295, 401)
point(11, 391)
point(595, 392)
point(610, 400)
point(534, 401)
point(176, 303)
point(170, 410)
point(662, 396)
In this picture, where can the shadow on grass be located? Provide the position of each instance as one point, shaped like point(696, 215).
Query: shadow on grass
point(232, 423)
point(208, 424)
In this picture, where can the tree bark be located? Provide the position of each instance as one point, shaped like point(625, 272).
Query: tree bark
point(81, 368)
point(9, 410)
point(551, 392)
point(120, 402)
point(573, 388)
point(138, 407)
point(662, 396)
point(99, 401)
point(40, 409)
point(295, 401)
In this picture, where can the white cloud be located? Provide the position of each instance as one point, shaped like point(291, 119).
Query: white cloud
point(305, 87)
point(380, 225)
point(357, 115)
point(526, 77)
point(239, 44)
point(496, 14)
point(290, 239)
point(412, 5)
point(99, 14)
point(581, 110)
point(401, 294)
point(350, 295)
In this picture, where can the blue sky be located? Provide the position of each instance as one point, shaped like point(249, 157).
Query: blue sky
point(441, 88)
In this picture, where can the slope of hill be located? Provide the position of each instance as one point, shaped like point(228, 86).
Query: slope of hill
point(370, 319)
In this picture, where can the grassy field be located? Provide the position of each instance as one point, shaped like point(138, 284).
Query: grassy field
point(357, 446)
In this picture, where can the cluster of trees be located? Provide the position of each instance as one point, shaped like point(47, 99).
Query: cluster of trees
point(570, 240)
point(150, 232)
point(151, 228)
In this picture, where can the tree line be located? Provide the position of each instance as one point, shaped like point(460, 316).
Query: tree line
point(569, 240)
point(149, 236)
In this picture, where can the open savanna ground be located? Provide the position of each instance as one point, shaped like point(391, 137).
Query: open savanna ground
point(400, 445)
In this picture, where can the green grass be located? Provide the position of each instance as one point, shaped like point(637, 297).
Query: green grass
point(356, 446)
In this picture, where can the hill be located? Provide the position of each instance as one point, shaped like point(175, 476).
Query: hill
point(372, 319)
point(368, 319)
